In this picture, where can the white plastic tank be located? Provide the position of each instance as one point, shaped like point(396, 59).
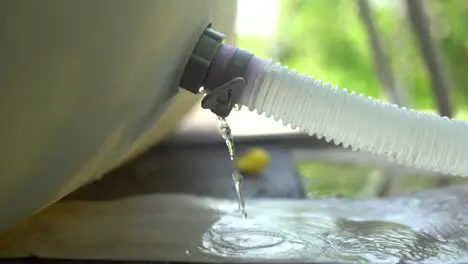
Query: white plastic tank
point(84, 86)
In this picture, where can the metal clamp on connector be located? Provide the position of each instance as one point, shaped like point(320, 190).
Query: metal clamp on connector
point(223, 98)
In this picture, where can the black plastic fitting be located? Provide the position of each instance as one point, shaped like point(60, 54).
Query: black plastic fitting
point(200, 61)
point(222, 97)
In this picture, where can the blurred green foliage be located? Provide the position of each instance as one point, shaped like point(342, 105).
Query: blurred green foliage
point(347, 180)
point(327, 39)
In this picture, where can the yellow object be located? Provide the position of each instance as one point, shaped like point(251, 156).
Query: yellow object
point(254, 161)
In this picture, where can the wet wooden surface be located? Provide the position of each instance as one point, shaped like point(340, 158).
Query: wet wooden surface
point(428, 227)
point(144, 227)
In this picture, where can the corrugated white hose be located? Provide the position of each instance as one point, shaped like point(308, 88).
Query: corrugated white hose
point(405, 136)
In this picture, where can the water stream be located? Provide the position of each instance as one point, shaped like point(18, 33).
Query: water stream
point(236, 175)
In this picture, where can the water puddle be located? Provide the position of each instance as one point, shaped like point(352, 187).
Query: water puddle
point(425, 228)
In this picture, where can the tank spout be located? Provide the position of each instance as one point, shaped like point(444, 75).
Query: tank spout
point(219, 71)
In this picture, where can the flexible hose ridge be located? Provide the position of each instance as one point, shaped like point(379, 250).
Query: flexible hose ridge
point(404, 136)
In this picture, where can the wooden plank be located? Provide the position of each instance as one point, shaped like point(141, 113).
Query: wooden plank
point(427, 227)
point(141, 228)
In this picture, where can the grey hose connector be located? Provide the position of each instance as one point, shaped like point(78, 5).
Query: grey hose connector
point(220, 69)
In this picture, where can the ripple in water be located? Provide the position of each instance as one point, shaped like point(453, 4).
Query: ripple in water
point(248, 239)
point(322, 238)
point(251, 243)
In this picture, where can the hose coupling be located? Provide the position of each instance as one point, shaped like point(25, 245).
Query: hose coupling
point(220, 69)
